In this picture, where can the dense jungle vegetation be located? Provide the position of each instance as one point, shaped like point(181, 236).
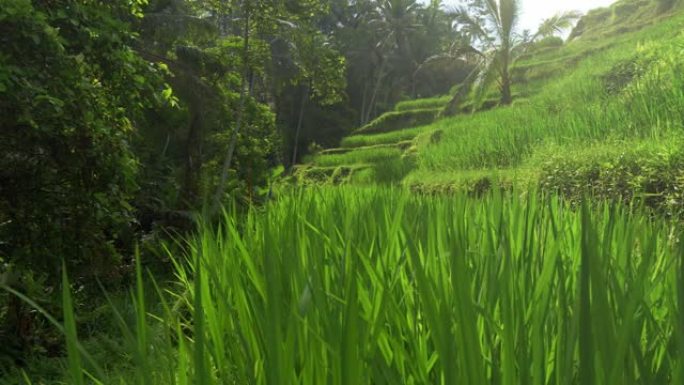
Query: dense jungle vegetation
point(340, 192)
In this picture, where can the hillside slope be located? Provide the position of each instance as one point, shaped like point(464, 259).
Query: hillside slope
point(604, 112)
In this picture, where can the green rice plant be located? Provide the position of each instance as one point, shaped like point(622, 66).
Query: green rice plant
point(334, 175)
point(136, 339)
point(354, 282)
point(70, 333)
point(76, 354)
point(379, 286)
point(382, 286)
point(387, 165)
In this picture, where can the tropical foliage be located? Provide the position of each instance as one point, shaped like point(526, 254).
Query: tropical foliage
point(270, 192)
point(494, 42)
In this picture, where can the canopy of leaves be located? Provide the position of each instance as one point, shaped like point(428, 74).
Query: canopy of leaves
point(71, 89)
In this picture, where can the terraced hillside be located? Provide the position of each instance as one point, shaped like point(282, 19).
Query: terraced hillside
point(603, 112)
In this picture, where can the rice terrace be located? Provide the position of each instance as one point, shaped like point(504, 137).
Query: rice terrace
point(341, 192)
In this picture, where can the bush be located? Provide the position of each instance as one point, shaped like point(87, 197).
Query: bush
point(623, 10)
point(650, 173)
point(393, 169)
point(66, 106)
point(70, 89)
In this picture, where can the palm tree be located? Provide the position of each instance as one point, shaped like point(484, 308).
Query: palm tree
point(393, 23)
point(495, 43)
point(398, 22)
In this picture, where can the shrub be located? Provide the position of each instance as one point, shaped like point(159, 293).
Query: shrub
point(71, 90)
point(623, 10)
point(393, 169)
point(650, 173)
point(621, 75)
point(67, 171)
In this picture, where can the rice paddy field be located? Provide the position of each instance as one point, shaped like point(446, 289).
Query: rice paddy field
point(380, 286)
point(539, 243)
point(617, 88)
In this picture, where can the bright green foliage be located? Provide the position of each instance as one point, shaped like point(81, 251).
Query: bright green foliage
point(378, 286)
point(623, 16)
point(475, 182)
point(380, 164)
point(70, 333)
point(334, 175)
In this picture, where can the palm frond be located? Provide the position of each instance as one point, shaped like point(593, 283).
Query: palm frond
point(557, 24)
point(440, 58)
point(493, 11)
point(488, 75)
point(509, 15)
point(469, 24)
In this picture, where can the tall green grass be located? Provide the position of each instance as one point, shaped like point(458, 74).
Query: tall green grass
point(378, 286)
point(578, 108)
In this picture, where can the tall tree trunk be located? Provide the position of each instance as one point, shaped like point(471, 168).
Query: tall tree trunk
point(414, 80)
point(451, 108)
point(362, 117)
point(220, 190)
point(374, 95)
point(189, 189)
point(506, 95)
point(302, 105)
